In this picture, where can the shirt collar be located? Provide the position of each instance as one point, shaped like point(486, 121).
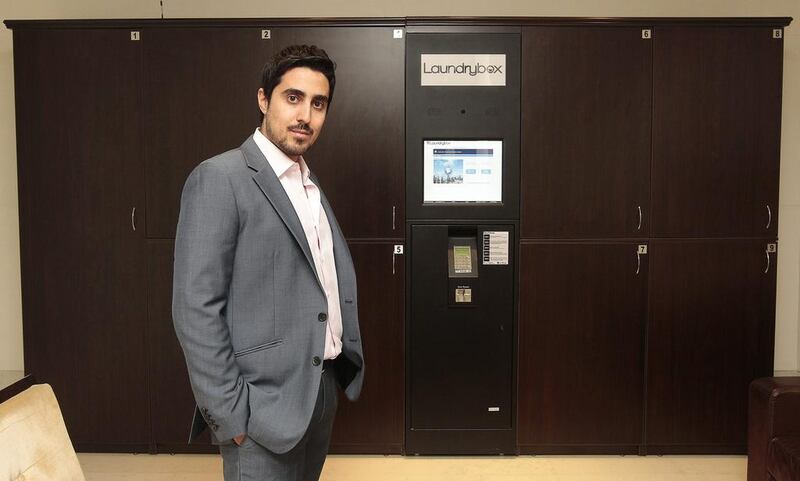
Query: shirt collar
point(278, 160)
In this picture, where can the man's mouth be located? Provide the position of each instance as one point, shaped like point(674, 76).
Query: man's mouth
point(300, 131)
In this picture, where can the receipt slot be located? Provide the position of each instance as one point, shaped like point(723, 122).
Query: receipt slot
point(461, 345)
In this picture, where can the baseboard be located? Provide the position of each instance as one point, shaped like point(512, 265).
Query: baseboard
point(366, 449)
point(603, 449)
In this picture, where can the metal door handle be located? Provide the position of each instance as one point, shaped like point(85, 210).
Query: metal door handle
point(769, 216)
point(767, 268)
point(133, 219)
point(638, 262)
point(394, 209)
point(639, 227)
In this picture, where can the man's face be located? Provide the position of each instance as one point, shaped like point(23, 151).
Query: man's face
point(295, 112)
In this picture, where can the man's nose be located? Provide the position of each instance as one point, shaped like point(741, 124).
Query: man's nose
point(304, 113)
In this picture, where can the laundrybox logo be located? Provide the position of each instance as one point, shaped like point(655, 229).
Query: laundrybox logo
point(463, 70)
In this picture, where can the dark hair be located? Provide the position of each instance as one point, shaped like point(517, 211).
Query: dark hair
point(294, 56)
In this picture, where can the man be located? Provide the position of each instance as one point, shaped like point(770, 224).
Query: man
point(264, 293)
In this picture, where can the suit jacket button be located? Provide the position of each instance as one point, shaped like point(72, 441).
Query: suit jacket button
point(322, 317)
point(316, 361)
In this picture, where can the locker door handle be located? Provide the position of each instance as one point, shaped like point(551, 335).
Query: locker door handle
point(769, 216)
point(771, 247)
point(133, 219)
point(641, 250)
point(768, 262)
point(639, 227)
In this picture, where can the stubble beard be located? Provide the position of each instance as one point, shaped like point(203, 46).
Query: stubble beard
point(290, 146)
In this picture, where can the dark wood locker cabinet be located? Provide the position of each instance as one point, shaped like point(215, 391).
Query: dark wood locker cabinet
point(583, 308)
point(360, 155)
point(200, 88)
point(716, 131)
point(374, 423)
point(83, 264)
point(710, 333)
point(586, 120)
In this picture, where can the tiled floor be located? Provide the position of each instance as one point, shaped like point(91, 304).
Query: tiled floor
point(143, 467)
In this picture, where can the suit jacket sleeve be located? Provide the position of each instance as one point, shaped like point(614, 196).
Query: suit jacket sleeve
point(205, 244)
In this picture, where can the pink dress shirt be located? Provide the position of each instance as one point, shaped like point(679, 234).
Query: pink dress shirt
point(305, 198)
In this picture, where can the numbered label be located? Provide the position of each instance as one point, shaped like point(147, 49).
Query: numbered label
point(398, 33)
point(772, 248)
point(777, 33)
point(398, 249)
point(266, 34)
point(642, 249)
point(647, 33)
point(135, 36)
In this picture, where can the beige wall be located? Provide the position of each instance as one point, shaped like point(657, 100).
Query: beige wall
point(787, 332)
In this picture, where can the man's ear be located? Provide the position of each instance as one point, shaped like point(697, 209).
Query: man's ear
point(263, 101)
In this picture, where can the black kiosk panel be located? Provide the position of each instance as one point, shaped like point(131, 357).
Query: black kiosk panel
point(462, 201)
point(462, 345)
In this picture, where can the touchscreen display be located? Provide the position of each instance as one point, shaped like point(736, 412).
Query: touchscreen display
point(463, 171)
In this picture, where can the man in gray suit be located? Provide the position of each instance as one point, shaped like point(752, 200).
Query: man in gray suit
point(264, 292)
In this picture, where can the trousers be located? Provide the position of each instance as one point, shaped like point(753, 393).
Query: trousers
point(252, 462)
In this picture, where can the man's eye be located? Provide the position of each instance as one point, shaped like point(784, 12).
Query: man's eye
point(319, 104)
point(292, 98)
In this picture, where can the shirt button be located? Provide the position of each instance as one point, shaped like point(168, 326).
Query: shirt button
point(316, 361)
point(322, 317)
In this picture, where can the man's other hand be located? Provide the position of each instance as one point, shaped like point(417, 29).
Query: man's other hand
point(238, 439)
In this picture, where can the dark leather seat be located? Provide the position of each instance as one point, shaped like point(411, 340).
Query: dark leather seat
point(773, 445)
point(784, 458)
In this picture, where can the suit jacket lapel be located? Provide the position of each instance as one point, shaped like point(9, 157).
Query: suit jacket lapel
point(269, 184)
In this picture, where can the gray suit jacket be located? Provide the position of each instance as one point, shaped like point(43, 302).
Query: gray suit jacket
point(248, 305)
